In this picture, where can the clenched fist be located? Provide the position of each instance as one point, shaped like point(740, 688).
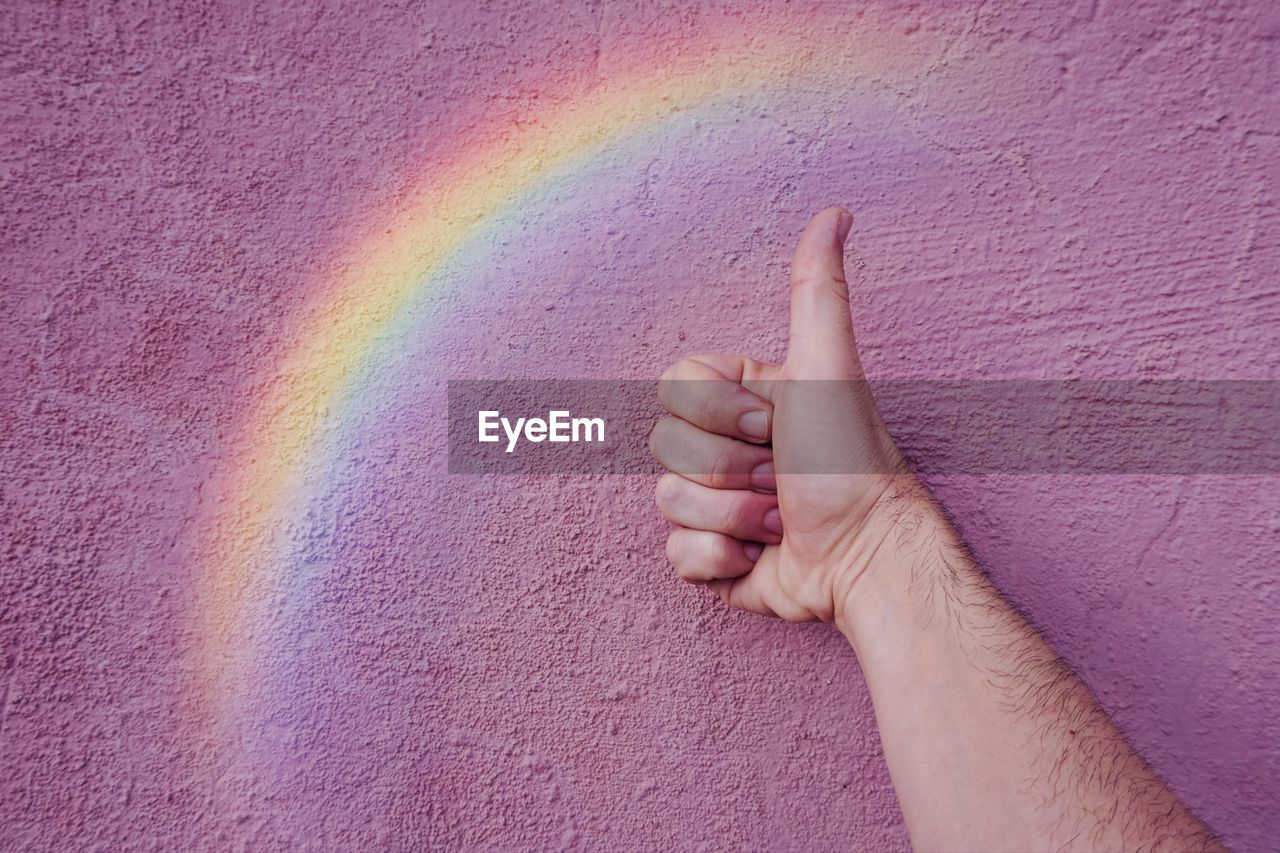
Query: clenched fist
point(782, 476)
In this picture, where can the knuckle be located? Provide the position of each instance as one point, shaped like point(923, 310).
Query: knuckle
point(721, 469)
point(664, 385)
point(674, 549)
point(664, 442)
point(707, 409)
point(678, 554)
point(719, 547)
point(807, 277)
point(666, 491)
point(804, 278)
point(734, 515)
point(667, 381)
point(677, 370)
point(658, 438)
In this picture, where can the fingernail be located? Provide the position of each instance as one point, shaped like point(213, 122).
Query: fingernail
point(844, 226)
point(773, 520)
point(762, 476)
point(754, 424)
point(753, 550)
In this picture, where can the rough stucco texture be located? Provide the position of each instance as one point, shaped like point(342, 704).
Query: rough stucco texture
point(1079, 190)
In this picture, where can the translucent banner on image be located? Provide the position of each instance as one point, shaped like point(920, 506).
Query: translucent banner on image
point(941, 426)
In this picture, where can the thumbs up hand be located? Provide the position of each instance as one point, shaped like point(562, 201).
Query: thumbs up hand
point(783, 480)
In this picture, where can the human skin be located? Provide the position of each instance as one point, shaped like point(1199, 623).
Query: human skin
point(993, 743)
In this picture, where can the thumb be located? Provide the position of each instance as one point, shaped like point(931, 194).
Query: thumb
point(822, 344)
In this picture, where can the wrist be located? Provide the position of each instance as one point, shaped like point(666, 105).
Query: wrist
point(905, 533)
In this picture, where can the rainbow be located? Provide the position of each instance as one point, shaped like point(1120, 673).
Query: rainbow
point(350, 322)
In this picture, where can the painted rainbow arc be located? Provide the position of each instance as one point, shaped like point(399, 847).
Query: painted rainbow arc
point(344, 325)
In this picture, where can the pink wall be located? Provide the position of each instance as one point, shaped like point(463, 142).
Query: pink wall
point(406, 657)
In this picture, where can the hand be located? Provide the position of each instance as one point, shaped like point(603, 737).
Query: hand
point(782, 477)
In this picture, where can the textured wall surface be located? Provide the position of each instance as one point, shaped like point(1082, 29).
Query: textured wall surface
point(244, 605)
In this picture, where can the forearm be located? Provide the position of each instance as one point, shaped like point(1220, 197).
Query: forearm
point(991, 740)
